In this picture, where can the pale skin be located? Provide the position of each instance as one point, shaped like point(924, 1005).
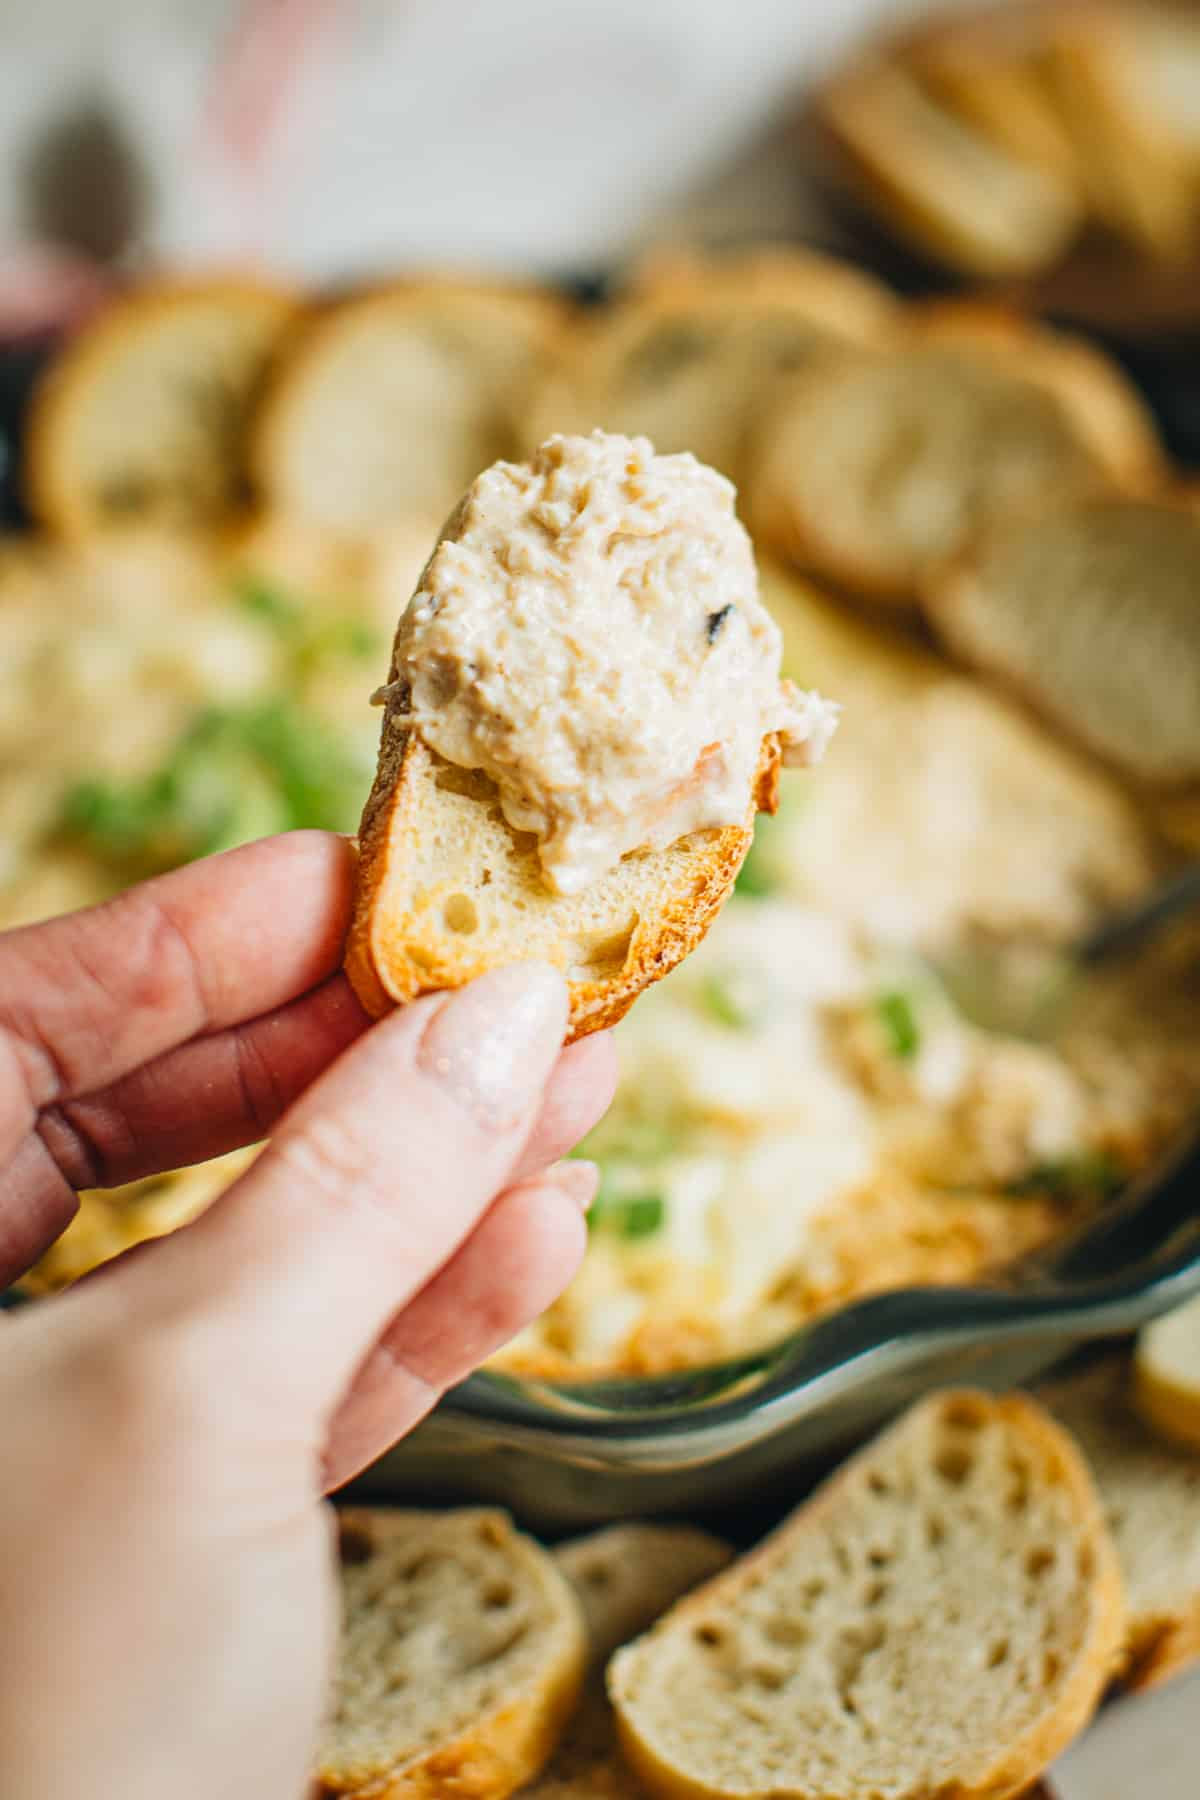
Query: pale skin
point(172, 1424)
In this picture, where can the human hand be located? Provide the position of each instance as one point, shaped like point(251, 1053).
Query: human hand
point(171, 1423)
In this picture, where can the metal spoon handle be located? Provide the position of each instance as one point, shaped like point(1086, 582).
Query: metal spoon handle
point(1124, 930)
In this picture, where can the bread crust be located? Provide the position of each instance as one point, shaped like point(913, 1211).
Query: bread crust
point(545, 316)
point(1020, 1764)
point(499, 1753)
point(389, 965)
point(50, 489)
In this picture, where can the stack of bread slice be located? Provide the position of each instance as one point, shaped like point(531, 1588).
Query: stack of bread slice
point(942, 1616)
point(995, 140)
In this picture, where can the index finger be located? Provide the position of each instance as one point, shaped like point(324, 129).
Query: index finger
point(87, 999)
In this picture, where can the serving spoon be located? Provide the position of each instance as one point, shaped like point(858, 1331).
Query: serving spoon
point(1019, 989)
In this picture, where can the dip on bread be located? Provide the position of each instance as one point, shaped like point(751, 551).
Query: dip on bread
point(588, 633)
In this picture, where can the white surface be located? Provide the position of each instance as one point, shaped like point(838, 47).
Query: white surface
point(537, 133)
point(1145, 1748)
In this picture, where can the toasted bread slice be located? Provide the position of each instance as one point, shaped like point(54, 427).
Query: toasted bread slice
point(694, 349)
point(1150, 1492)
point(986, 71)
point(625, 1577)
point(941, 1618)
point(1103, 403)
point(932, 177)
point(1128, 82)
point(1167, 1369)
point(462, 1655)
point(142, 417)
point(392, 402)
point(1091, 611)
point(447, 889)
point(876, 467)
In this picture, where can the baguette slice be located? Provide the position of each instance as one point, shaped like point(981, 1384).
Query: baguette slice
point(447, 890)
point(627, 1575)
point(1150, 1492)
point(625, 1578)
point(391, 402)
point(142, 416)
point(1092, 613)
point(1106, 408)
point(1128, 82)
point(933, 178)
point(462, 1655)
point(1167, 1369)
point(876, 467)
point(941, 1618)
point(986, 72)
point(694, 349)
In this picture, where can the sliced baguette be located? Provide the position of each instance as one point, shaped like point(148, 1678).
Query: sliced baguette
point(627, 1575)
point(461, 1657)
point(933, 177)
point(447, 890)
point(1150, 1492)
point(1100, 399)
point(691, 352)
point(875, 467)
point(142, 417)
point(1119, 73)
point(1167, 1370)
point(986, 72)
point(941, 1618)
point(625, 1578)
point(1091, 612)
point(392, 402)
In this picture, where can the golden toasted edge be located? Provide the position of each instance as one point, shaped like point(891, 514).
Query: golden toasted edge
point(883, 184)
point(545, 315)
point(49, 493)
point(1023, 1762)
point(505, 1749)
point(378, 962)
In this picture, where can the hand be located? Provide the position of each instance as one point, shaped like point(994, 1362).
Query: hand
point(171, 1423)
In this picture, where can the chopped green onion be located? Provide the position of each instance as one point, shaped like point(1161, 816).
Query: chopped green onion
point(642, 1216)
point(1091, 1173)
point(313, 634)
point(899, 1020)
point(235, 773)
point(726, 999)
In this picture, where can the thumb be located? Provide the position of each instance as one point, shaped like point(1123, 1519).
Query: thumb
point(368, 1187)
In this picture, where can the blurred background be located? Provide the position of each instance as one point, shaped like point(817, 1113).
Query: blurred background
point(279, 278)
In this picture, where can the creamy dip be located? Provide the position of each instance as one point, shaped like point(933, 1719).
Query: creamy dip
point(589, 634)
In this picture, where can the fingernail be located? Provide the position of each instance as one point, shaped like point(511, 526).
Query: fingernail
point(494, 1043)
point(578, 1180)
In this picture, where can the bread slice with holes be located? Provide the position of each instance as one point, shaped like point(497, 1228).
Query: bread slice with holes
point(940, 1618)
point(1091, 611)
point(625, 1576)
point(1104, 405)
point(447, 890)
point(143, 416)
point(934, 178)
point(1150, 1492)
point(462, 1655)
point(875, 467)
point(692, 350)
point(392, 401)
